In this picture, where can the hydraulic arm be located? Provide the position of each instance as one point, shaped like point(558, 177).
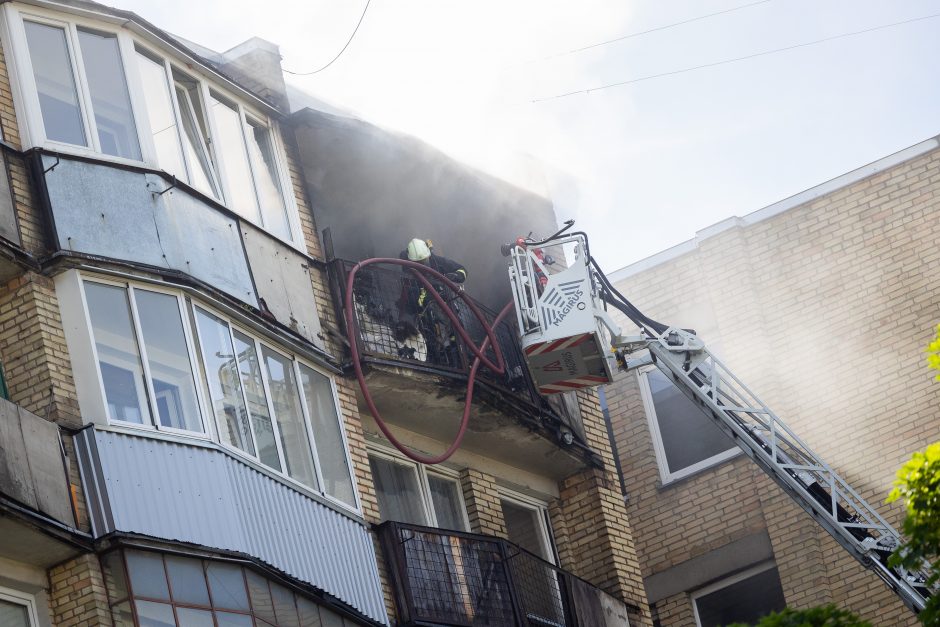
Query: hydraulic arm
point(570, 341)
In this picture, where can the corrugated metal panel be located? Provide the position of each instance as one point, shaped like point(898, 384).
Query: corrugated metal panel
point(205, 496)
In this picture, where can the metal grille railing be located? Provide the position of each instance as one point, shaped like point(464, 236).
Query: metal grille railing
point(393, 326)
point(464, 579)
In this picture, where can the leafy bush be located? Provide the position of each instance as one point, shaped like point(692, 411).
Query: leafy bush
point(825, 616)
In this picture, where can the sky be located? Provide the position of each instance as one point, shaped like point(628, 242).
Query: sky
point(640, 167)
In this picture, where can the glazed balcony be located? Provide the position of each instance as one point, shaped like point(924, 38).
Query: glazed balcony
point(461, 579)
point(417, 374)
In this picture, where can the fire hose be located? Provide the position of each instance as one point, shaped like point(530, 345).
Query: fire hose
point(479, 357)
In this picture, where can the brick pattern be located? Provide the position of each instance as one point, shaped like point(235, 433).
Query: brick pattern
point(676, 610)
point(77, 594)
point(823, 310)
point(482, 500)
point(33, 349)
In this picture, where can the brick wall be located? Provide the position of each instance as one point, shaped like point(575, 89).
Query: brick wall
point(482, 500)
point(77, 594)
point(824, 310)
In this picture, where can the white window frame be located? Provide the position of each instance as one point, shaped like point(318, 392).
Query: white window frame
point(93, 400)
point(21, 598)
point(541, 508)
point(666, 474)
point(424, 487)
point(724, 583)
point(32, 128)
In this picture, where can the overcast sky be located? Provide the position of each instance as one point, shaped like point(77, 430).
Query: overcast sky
point(641, 166)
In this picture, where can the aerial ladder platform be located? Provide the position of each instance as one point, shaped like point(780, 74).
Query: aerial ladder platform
point(571, 342)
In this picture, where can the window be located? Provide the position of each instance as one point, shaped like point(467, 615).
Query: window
point(410, 493)
point(685, 439)
point(165, 365)
point(103, 91)
point(743, 598)
point(170, 591)
point(17, 609)
point(527, 526)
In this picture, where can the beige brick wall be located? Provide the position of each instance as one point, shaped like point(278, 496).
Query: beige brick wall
point(823, 310)
point(77, 596)
point(481, 497)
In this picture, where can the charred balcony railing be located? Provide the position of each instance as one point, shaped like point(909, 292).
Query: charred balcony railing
point(461, 579)
point(393, 326)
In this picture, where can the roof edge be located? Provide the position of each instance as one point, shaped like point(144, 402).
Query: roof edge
point(839, 182)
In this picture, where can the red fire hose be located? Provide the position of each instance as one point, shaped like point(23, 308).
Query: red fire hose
point(499, 367)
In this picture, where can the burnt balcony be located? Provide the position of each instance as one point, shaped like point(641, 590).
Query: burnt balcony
point(398, 340)
point(463, 579)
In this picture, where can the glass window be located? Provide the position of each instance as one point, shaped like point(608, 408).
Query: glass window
point(147, 575)
point(118, 356)
point(261, 603)
point(187, 581)
point(161, 115)
point(13, 614)
point(445, 498)
point(101, 57)
point(687, 439)
point(152, 614)
point(285, 396)
point(225, 390)
point(174, 387)
point(230, 143)
point(284, 606)
point(227, 619)
point(195, 134)
point(227, 584)
point(328, 437)
point(270, 195)
point(744, 598)
point(250, 370)
point(525, 526)
point(396, 486)
point(55, 83)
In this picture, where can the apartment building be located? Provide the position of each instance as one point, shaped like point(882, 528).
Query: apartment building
point(182, 442)
point(822, 304)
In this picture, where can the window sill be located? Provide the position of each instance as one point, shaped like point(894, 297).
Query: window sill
point(668, 483)
point(206, 443)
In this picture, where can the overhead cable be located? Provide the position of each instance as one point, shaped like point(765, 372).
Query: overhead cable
point(340, 53)
point(734, 60)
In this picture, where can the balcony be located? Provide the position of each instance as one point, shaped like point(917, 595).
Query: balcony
point(396, 344)
point(463, 579)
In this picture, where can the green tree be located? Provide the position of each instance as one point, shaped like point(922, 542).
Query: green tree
point(933, 353)
point(825, 616)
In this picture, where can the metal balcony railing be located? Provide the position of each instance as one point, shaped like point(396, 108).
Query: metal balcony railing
point(391, 326)
point(463, 579)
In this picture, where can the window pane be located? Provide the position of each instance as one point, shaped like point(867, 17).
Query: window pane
point(295, 441)
point(225, 390)
point(13, 614)
point(148, 579)
point(688, 435)
point(309, 613)
point(248, 366)
point(523, 528)
point(446, 500)
point(231, 143)
point(110, 101)
point(327, 436)
point(396, 486)
point(227, 584)
point(155, 614)
point(162, 118)
point(187, 581)
point(194, 618)
point(742, 602)
point(284, 606)
point(225, 619)
point(55, 83)
point(118, 356)
point(121, 615)
point(168, 357)
point(195, 135)
point(270, 195)
point(261, 603)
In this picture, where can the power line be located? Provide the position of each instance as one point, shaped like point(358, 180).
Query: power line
point(349, 41)
point(736, 59)
point(658, 28)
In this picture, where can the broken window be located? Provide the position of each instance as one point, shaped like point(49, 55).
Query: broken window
point(684, 438)
point(743, 598)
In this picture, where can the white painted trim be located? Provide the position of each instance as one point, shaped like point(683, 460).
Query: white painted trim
point(776, 208)
point(666, 474)
point(724, 583)
point(541, 510)
point(20, 598)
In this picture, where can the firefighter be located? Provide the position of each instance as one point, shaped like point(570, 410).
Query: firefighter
point(435, 328)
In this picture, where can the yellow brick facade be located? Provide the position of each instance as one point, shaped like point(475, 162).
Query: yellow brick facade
point(824, 310)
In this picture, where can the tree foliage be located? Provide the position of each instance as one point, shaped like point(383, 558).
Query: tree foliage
point(825, 616)
point(933, 353)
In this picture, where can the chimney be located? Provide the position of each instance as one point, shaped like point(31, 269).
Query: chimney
point(256, 64)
